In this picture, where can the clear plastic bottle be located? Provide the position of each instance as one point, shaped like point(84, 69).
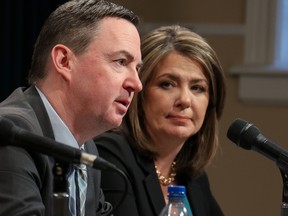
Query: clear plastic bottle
point(177, 204)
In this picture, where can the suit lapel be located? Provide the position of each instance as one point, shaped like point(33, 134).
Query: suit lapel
point(196, 199)
point(91, 149)
point(154, 193)
point(36, 103)
point(93, 184)
point(151, 184)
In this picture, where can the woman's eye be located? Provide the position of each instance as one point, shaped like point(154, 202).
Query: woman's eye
point(198, 88)
point(166, 84)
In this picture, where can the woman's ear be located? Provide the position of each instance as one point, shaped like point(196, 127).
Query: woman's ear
point(61, 58)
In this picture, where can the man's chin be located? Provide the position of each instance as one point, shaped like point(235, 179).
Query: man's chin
point(117, 122)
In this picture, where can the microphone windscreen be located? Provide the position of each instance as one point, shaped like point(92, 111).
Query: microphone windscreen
point(235, 130)
point(243, 133)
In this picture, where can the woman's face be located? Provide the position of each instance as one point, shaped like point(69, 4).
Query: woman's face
point(176, 99)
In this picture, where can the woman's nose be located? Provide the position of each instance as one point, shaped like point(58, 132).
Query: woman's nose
point(184, 99)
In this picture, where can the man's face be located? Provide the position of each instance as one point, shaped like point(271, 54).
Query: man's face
point(105, 77)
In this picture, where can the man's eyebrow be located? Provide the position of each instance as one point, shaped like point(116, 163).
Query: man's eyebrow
point(130, 57)
point(126, 53)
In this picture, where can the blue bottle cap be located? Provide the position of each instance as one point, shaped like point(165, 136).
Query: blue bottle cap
point(176, 191)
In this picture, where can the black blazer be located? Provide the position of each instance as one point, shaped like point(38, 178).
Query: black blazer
point(26, 178)
point(144, 195)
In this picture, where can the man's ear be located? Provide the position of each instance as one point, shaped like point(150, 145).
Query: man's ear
point(61, 57)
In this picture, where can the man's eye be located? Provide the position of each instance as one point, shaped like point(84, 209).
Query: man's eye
point(121, 61)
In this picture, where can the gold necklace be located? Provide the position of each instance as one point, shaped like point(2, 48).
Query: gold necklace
point(167, 181)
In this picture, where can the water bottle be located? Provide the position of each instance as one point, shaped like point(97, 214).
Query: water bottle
point(178, 204)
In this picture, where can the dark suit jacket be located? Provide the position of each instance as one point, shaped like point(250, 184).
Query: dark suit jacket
point(26, 178)
point(144, 195)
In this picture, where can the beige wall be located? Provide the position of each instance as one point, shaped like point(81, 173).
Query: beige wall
point(243, 182)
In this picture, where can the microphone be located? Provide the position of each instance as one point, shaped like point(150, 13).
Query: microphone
point(10, 134)
point(248, 136)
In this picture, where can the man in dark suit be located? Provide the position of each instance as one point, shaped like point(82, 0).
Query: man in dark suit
point(83, 75)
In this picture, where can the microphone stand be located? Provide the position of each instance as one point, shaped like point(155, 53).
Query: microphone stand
point(282, 164)
point(284, 205)
point(60, 194)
